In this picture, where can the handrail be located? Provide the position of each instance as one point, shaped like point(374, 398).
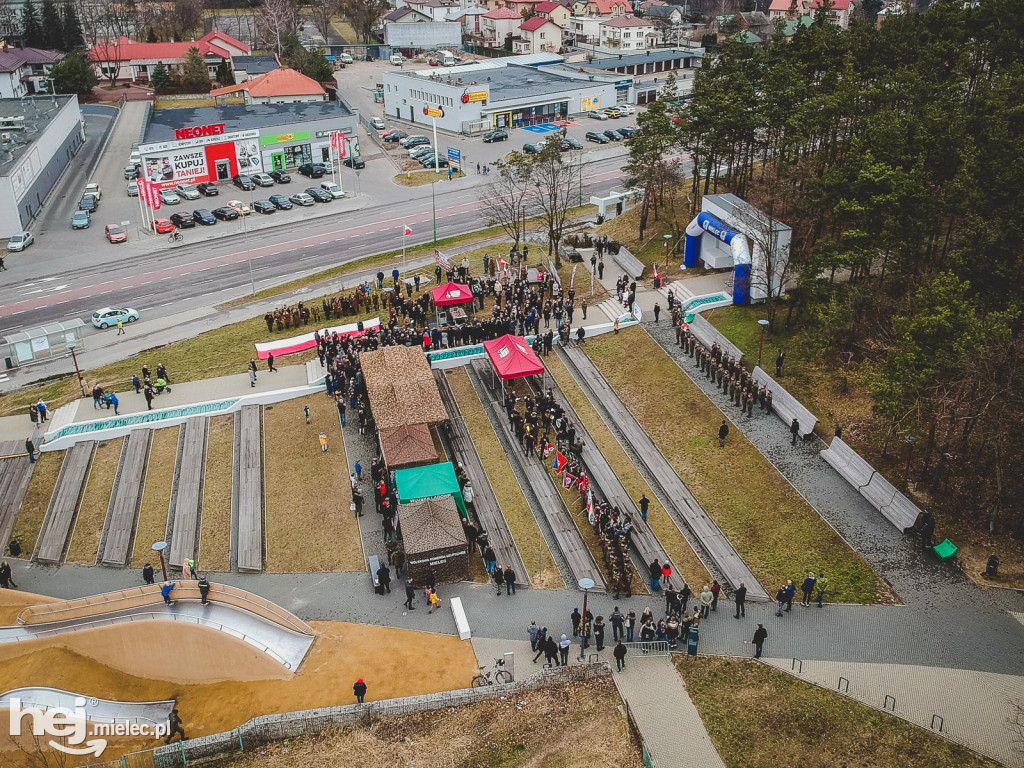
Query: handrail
point(36, 690)
point(239, 598)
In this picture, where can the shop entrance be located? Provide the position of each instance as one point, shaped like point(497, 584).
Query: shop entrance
point(277, 161)
point(223, 168)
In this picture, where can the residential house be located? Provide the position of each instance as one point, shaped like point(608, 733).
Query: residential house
point(757, 23)
point(626, 34)
point(556, 12)
point(248, 67)
point(497, 25)
point(406, 16)
point(279, 86)
point(841, 11)
point(788, 9)
point(434, 10)
point(889, 12)
point(538, 35)
point(23, 71)
point(127, 59)
point(601, 8)
point(639, 9)
point(584, 31)
point(523, 7)
point(792, 26)
point(667, 21)
point(469, 18)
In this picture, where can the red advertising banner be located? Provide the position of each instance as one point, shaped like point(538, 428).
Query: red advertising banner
point(339, 143)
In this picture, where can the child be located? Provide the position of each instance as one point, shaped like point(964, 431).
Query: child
point(305, 411)
point(434, 601)
point(323, 443)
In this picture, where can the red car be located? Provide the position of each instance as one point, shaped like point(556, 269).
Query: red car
point(163, 226)
point(115, 234)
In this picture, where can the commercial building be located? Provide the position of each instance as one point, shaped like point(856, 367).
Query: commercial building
point(217, 143)
point(38, 137)
point(650, 69)
point(510, 92)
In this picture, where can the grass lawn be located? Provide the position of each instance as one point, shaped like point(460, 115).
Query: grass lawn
point(518, 516)
point(754, 714)
point(37, 499)
point(777, 533)
point(309, 526)
point(651, 248)
point(575, 725)
point(664, 528)
point(425, 177)
point(156, 496)
point(215, 537)
point(92, 511)
point(345, 29)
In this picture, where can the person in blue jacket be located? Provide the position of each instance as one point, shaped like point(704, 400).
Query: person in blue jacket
point(165, 591)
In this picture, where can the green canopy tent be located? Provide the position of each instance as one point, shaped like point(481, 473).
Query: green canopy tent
point(426, 481)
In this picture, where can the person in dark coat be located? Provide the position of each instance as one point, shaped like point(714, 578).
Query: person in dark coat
point(551, 651)
point(359, 689)
point(384, 577)
point(655, 575)
point(760, 635)
point(510, 581)
point(6, 577)
point(794, 429)
point(723, 432)
point(204, 590)
point(599, 632)
point(147, 573)
point(576, 618)
point(740, 596)
point(410, 594)
point(620, 655)
point(174, 727)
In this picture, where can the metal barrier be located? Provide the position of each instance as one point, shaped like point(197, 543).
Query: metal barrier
point(941, 722)
point(797, 665)
point(885, 704)
point(840, 687)
point(650, 648)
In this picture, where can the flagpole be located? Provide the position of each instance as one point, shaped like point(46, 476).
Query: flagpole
point(404, 230)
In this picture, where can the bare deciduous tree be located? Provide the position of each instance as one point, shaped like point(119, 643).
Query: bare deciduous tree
point(556, 185)
point(509, 194)
point(364, 15)
point(104, 22)
point(320, 12)
point(277, 20)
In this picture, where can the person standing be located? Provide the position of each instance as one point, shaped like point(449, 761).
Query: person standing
point(563, 650)
point(534, 632)
point(490, 559)
point(706, 598)
point(434, 600)
point(510, 581)
point(30, 449)
point(359, 689)
point(270, 363)
point(384, 578)
point(41, 407)
point(599, 626)
point(630, 625)
point(645, 504)
point(790, 594)
point(204, 590)
point(357, 501)
point(617, 621)
point(716, 591)
point(740, 596)
point(780, 599)
point(807, 588)
point(147, 574)
point(620, 655)
point(822, 585)
point(575, 618)
point(6, 577)
point(794, 430)
point(778, 364)
point(760, 635)
point(542, 636)
point(655, 575)
point(149, 398)
point(684, 597)
point(657, 311)
point(551, 651)
point(120, 327)
point(723, 432)
point(305, 412)
point(410, 594)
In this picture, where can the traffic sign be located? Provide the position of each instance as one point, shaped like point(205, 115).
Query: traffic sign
point(455, 158)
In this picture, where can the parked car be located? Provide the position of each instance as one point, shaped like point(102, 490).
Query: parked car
point(627, 131)
point(613, 135)
point(206, 189)
point(332, 189)
point(568, 142)
point(613, 112)
point(396, 59)
point(204, 217)
point(187, 192)
point(432, 161)
point(108, 316)
point(345, 58)
point(20, 241)
point(131, 171)
point(597, 114)
point(281, 202)
point(183, 220)
point(532, 149)
point(81, 220)
point(239, 207)
point(312, 170)
point(88, 203)
point(115, 234)
point(320, 195)
point(422, 151)
point(263, 206)
point(413, 141)
point(600, 138)
point(626, 109)
point(93, 188)
point(301, 198)
point(280, 177)
point(225, 214)
point(163, 226)
point(354, 161)
point(377, 123)
point(263, 179)
point(169, 197)
point(396, 136)
point(495, 135)
point(244, 183)
point(132, 188)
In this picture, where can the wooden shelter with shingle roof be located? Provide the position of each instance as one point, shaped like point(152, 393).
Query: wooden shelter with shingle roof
point(401, 388)
point(434, 540)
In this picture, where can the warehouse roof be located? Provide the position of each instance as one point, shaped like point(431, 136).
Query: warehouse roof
point(25, 120)
point(163, 122)
point(661, 54)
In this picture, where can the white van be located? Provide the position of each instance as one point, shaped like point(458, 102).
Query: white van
point(396, 59)
point(446, 58)
point(344, 58)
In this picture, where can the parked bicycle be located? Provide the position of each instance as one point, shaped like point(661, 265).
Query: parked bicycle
point(500, 675)
point(175, 236)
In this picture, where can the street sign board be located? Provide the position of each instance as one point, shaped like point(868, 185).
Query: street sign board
point(455, 158)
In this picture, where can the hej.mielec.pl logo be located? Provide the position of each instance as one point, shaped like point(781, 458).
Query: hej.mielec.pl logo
point(74, 733)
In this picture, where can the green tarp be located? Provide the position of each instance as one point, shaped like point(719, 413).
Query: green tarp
point(430, 480)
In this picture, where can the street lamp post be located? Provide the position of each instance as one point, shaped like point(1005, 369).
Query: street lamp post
point(433, 210)
point(248, 252)
point(159, 548)
point(74, 358)
point(668, 244)
point(586, 585)
point(760, 344)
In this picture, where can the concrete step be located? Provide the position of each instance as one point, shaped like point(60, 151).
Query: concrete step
point(611, 309)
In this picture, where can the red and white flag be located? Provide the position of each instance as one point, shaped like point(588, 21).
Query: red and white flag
point(568, 481)
point(559, 463)
point(407, 230)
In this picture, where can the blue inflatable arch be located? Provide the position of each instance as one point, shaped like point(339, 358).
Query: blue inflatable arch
point(706, 223)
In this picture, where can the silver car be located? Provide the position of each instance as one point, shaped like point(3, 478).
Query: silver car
point(20, 241)
point(187, 192)
point(133, 189)
point(169, 197)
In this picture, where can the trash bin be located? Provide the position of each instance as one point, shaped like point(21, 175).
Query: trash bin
point(14, 548)
point(692, 640)
point(946, 550)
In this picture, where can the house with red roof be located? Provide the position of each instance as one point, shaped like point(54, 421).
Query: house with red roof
point(537, 35)
point(627, 34)
point(840, 12)
point(497, 25)
point(552, 11)
point(279, 86)
point(124, 59)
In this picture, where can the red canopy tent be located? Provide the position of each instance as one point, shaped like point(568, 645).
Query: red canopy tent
point(450, 295)
point(513, 358)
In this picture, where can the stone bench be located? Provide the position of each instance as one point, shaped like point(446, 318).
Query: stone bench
point(63, 508)
point(188, 492)
point(878, 491)
point(629, 263)
point(249, 489)
point(707, 335)
point(848, 463)
point(785, 406)
point(461, 622)
point(374, 565)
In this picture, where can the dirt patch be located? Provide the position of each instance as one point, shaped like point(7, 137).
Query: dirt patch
point(156, 496)
point(776, 532)
point(520, 520)
point(309, 526)
point(37, 499)
point(664, 528)
point(215, 539)
point(754, 713)
point(574, 725)
point(92, 511)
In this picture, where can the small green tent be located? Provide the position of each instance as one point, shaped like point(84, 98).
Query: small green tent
point(426, 481)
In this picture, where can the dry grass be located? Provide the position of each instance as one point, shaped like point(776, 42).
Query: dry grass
point(309, 526)
point(754, 714)
point(425, 177)
point(576, 725)
point(156, 496)
point(37, 499)
point(92, 511)
point(518, 516)
point(777, 533)
point(675, 544)
point(215, 537)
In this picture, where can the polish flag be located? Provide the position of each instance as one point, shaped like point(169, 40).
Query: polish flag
point(407, 231)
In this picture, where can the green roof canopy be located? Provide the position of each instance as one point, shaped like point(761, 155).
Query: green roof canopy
point(426, 481)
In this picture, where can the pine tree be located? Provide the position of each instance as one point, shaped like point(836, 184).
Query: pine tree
point(73, 75)
point(316, 66)
point(74, 38)
point(53, 27)
point(224, 74)
point(160, 78)
point(31, 29)
point(196, 76)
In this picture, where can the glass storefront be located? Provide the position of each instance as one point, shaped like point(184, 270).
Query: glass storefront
point(518, 118)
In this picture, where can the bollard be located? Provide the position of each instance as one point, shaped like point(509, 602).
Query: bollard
point(798, 665)
point(941, 722)
point(885, 704)
point(840, 687)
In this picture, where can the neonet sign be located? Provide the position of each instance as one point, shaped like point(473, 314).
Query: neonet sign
point(198, 131)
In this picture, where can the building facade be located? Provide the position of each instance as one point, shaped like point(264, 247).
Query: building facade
point(23, 71)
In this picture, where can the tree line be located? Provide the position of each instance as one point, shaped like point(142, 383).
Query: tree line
point(897, 156)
